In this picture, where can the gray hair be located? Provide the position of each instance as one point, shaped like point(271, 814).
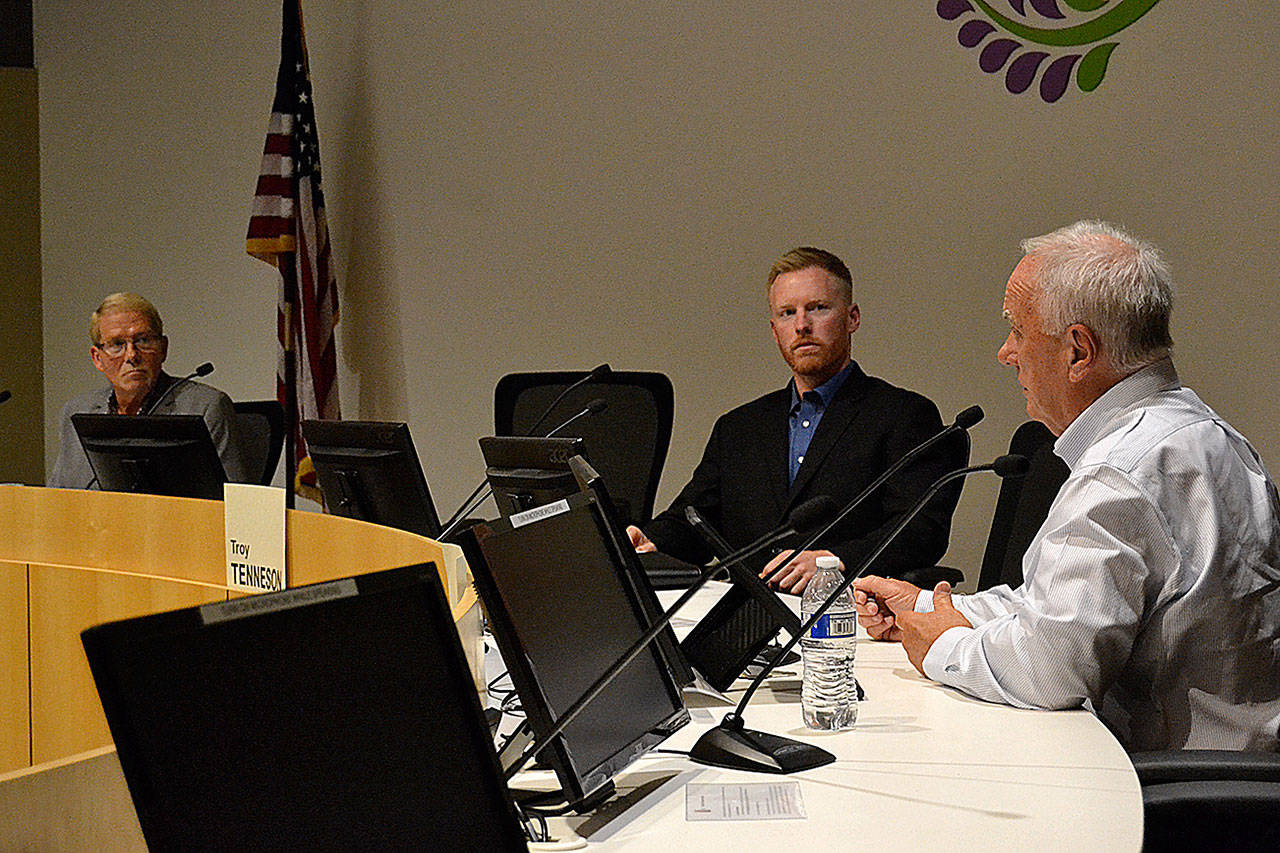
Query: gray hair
point(1095, 274)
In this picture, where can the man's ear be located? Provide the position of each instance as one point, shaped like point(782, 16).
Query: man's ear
point(1085, 351)
point(855, 318)
point(98, 360)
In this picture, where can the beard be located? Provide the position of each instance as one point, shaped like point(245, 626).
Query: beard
point(816, 364)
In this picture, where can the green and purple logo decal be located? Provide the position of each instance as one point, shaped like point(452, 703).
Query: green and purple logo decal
point(1076, 41)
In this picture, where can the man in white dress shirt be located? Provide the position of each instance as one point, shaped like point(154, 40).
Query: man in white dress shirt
point(1151, 593)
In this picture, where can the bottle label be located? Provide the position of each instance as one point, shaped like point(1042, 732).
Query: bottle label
point(834, 627)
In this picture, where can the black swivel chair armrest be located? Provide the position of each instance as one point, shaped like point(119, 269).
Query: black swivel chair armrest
point(927, 577)
point(1209, 799)
point(1190, 765)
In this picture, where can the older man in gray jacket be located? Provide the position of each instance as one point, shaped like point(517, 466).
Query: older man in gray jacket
point(128, 346)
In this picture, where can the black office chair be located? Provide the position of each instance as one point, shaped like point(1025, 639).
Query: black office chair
point(1020, 510)
point(627, 442)
point(261, 427)
point(1022, 506)
point(1209, 799)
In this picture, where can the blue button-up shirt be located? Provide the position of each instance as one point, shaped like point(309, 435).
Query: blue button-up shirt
point(806, 412)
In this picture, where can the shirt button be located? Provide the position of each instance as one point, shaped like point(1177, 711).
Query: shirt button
point(804, 423)
point(800, 459)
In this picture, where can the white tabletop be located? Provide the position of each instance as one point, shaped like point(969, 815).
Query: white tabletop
point(925, 768)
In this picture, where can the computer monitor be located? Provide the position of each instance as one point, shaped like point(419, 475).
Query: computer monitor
point(369, 470)
point(634, 570)
point(562, 612)
point(528, 471)
point(153, 454)
point(336, 716)
point(737, 628)
point(525, 472)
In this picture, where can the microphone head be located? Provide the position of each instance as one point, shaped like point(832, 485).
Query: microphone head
point(601, 371)
point(969, 417)
point(597, 406)
point(204, 369)
point(1011, 465)
point(692, 515)
point(812, 512)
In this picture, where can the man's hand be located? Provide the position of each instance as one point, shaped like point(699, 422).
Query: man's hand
point(639, 541)
point(919, 630)
point(795, 577)
point(880, 601)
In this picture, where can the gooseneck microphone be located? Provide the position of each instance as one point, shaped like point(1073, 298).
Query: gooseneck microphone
point(203, 370)
point(474, 500)
point(802, 517)
point(964, 421)
point(597, 373)
point(731, 744)
point(594, 407)
point(754, 585)
point(600, 371)
point(712, 537)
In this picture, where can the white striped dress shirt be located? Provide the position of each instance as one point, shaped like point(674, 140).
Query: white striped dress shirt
point(1151, 593)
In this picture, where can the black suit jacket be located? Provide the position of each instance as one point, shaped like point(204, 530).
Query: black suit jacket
point(740, 486)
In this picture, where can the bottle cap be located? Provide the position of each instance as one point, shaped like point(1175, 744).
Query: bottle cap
point(828, 561)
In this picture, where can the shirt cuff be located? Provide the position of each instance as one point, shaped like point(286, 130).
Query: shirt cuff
point(935, 660)
point(924, 601)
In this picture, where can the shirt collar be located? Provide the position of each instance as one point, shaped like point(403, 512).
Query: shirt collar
point(827, 390)
point(1089, 424)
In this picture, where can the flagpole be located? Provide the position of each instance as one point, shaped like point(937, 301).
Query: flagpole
point(290, 380)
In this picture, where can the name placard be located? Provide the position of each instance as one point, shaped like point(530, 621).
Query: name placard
point(253, 521)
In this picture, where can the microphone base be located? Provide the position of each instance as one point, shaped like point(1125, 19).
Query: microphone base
point(737, 748)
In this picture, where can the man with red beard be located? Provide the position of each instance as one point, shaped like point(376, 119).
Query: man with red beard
point(831, 431)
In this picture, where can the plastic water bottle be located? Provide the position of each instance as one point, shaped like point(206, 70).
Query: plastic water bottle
point(829, 695)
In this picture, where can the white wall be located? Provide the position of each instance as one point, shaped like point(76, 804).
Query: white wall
point(555, 185)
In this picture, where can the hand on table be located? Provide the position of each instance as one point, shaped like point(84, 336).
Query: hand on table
point(920, 630)
point(879, 601)
point(795, 577)
point(639, 541)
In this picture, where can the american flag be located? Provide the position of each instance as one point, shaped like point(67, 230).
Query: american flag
point(288, 229)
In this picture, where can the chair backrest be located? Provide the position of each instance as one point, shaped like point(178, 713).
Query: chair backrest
point(261, 427)
point(1022, 506)
point(627, 442)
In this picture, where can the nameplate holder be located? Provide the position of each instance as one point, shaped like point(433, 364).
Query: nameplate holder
point(254, 528)
point(529, 516)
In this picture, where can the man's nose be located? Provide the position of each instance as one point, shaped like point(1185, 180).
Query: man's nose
point(1006, 354)
point(803, 321)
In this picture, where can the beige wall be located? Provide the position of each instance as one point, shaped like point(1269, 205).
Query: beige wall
point(556, 185)
point(21, 368)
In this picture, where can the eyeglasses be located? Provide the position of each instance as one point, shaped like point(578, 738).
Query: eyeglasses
point(143, 343)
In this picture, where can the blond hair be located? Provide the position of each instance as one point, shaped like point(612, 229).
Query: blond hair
point(117, 302)
point(803, 257)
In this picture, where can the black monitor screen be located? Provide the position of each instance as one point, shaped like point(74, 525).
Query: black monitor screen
point(562, 613)
point(369, 470)
point(525, 472)
point(337, 716)
point(153, 454)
